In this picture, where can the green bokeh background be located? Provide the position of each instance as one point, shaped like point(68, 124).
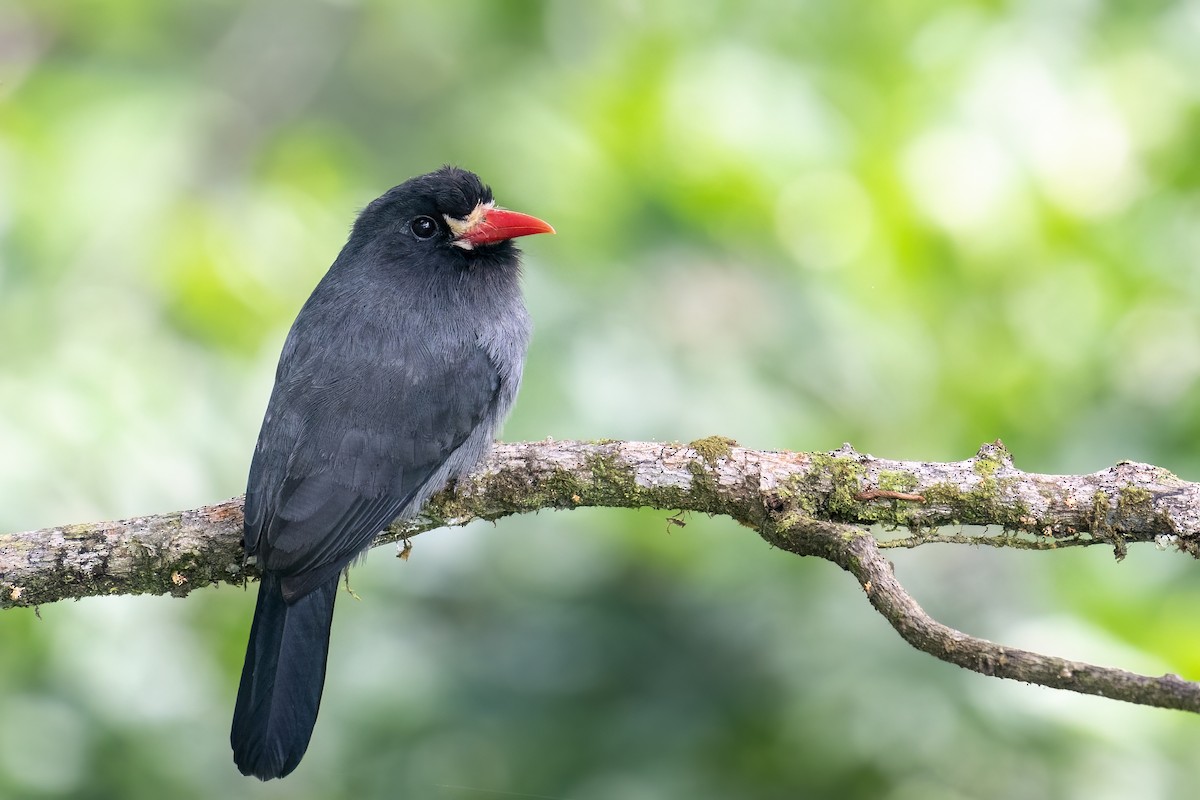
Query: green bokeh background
point(911, 226)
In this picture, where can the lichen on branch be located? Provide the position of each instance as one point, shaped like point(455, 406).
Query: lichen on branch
point(805, 503)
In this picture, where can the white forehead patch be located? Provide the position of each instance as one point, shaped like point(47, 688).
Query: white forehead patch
point(461, 227)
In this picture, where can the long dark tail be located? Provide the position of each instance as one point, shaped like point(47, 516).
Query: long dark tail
point(282, 679)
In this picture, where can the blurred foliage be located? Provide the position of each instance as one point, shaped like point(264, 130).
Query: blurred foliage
point(912, 226)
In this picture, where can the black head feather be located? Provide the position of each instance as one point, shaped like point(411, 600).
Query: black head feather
point(387, 222)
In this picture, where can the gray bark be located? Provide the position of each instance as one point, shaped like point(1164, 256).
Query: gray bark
point(812, 504)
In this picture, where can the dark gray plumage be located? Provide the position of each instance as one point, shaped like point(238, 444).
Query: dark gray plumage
point(393, 380)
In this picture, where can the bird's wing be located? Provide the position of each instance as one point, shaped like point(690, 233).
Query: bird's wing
point(346, 446)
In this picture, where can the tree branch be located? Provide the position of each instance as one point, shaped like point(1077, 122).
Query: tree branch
point(805, 503)
point(857, 552)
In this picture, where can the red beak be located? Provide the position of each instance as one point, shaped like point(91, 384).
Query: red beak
point(499, 224)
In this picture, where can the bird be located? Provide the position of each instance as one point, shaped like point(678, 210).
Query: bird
point(393, 381)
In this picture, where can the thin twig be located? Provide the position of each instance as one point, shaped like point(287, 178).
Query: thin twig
point(857, 552)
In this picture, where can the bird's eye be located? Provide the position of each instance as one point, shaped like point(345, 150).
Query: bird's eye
point(423, 227)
